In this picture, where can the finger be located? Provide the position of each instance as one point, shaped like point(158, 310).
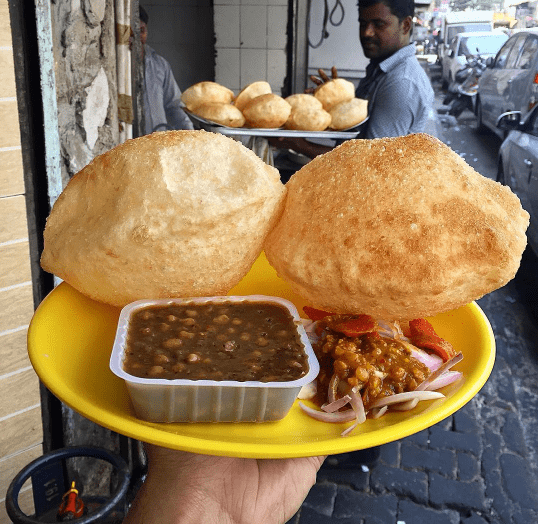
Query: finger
point(334, 72)
point(323, 75)
point(316, 80)
point(318, 461)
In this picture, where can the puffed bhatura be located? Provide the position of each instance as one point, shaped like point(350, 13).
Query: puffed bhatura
point(267, 111)
point(307, 113)
point(348, 113)
point(303, 101)
point(171, 214)
point(397, 228)
point(251, 91)
point(334, 91)
point(225, 114)
point(307, 119)
point(206, 93)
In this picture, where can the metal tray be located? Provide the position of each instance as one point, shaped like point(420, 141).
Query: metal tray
point(207, 125)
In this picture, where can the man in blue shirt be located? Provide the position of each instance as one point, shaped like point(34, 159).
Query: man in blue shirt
point(162, 96)
point(399, 93)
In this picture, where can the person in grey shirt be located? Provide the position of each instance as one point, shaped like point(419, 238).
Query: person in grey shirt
point(162, 96)
point(399, 93)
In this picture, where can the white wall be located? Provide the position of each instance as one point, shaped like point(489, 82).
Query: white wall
point(250, 42)
point(237, 42)
point(342, 48)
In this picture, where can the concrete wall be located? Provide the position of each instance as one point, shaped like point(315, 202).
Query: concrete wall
point(85, 76)
point(85, 71)
point(251, 41)
point(21, 433)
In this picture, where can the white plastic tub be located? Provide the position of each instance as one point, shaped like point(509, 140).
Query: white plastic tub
point(183, 400)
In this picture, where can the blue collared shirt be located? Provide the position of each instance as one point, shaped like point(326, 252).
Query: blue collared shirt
point(400, 96)
point(162, 96)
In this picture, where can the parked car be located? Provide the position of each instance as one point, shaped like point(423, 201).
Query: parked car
point(510, 82)
point(455, 22)
point(463, 45)
point(518, 163)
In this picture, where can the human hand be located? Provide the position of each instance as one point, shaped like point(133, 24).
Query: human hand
point(183, 488)
point(323, 80)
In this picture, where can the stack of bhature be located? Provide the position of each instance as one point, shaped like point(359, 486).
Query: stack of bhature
point(171, 214)
point(397, 228)
point(206, 93)
point(307, 113)
point(332, 105)
point(220, 113)
point(251, 91)
point(348, 113)
point(267, 111)
point(213, 101)
point(334, 91)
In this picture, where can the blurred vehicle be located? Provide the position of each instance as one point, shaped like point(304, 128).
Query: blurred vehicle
point(518, 163)
point(464, 45)
point(462, 92)
point(510, 82)
point(468, 89)
point(462, 22)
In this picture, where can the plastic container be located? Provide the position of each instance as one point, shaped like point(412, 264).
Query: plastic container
point(184, 400)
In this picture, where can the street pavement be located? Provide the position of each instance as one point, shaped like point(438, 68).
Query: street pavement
point(479, 465)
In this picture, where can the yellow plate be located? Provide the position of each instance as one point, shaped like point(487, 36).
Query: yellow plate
point(70, 339)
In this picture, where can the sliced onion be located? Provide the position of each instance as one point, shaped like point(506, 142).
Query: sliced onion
point(404, 397)
point(338, 416)
point(406, 406)
point(439, 371)
point(386, 329)
point(350, 429)
point(379, 412)
point(358, 408)
point(357, 405)
point(446, 378)
point(391, 330)
point(336, 405)
point(332, 393)
point(309, 326)
point(432, 362)
point(398, 332)
point(308, 391)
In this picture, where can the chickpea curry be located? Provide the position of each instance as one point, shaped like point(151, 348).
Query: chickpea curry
point(246, 341)
point(375, 365)
point(354, 355)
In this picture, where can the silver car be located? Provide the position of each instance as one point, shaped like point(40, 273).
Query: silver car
point(463, 45)
point(510, 82)
point(518, 163)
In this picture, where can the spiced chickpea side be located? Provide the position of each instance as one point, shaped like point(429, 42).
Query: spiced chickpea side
point(246, 341)
point(376, 366)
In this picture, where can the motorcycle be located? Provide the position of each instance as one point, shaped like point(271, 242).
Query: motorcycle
point(462, 92)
